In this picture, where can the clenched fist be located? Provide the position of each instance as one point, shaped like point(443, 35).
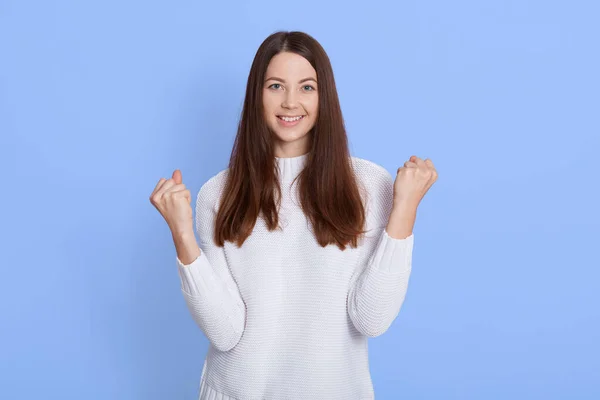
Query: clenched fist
point(413, 181)
point(173, 201)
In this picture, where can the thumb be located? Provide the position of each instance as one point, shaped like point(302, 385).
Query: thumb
point(177, 176)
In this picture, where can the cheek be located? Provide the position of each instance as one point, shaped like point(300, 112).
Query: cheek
point(313, 107)
point(269, 103)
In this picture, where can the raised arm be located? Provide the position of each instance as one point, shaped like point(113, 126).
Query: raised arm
point(380, 283)
point(211, 294)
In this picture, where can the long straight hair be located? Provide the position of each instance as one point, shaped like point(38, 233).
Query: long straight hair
point(327, 186)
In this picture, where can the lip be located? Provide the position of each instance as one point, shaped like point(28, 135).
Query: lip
point(286, 124)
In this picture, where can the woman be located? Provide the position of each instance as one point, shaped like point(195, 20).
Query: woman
point(304, 251)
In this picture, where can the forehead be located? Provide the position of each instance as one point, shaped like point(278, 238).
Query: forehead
point(290, 64)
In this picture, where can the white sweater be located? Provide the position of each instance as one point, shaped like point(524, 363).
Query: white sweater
point(285, 317)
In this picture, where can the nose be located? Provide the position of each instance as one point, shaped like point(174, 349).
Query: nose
point(289, 100)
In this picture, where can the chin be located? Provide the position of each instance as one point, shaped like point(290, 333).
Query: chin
point(289, 136)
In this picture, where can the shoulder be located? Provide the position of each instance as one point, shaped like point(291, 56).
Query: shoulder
point(210, 192)
point(377, 189)
point(371, 175)
point(368, 167)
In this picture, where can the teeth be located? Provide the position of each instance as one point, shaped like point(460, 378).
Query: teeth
point(288, 119)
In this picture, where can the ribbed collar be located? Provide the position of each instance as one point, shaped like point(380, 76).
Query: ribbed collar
point(290, 167)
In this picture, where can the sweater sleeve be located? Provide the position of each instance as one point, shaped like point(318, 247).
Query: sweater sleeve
point(380, 283)
point(210, 291)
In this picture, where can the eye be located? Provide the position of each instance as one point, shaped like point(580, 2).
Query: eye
point(275, 84)
point(310, 88)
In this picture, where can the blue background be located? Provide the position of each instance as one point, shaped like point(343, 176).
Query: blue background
point(100, 99)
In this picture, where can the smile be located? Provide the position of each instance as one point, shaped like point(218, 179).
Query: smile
point(290, 119)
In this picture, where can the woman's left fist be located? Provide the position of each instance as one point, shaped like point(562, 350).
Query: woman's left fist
point(413, 180)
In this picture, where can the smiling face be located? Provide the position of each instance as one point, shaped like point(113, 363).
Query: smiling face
point(290, 102)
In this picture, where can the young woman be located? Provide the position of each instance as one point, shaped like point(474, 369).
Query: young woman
point(304, 251)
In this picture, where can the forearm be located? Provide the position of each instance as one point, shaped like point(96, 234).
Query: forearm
point(402, 220)
point(186, 247)
point(376, 299)
point(377, 296)
point(211, 295)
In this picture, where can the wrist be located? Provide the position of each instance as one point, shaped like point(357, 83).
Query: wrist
point(186, 246)
point(404, 206)
point(402, 220)
point(183, 234)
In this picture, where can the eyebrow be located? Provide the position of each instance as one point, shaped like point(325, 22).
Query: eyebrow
point(274, 78)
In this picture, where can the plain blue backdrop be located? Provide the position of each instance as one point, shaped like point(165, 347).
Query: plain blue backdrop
point(100, 99)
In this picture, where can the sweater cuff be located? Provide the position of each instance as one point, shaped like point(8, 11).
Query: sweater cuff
point(195, 277)
point(394, 255)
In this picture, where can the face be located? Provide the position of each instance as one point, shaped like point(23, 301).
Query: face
point(290, 102)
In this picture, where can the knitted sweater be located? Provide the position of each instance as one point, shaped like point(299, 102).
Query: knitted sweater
point(285, 317)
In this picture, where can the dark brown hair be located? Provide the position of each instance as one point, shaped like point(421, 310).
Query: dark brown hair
point(327, 186)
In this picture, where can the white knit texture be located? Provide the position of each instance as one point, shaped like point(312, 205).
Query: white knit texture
point(285, 317)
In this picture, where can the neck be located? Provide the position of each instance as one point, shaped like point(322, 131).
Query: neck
point(290, 167)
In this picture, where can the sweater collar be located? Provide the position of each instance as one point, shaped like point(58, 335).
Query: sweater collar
point(290, 167)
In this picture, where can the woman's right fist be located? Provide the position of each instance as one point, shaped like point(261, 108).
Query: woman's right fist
point(173, 201)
